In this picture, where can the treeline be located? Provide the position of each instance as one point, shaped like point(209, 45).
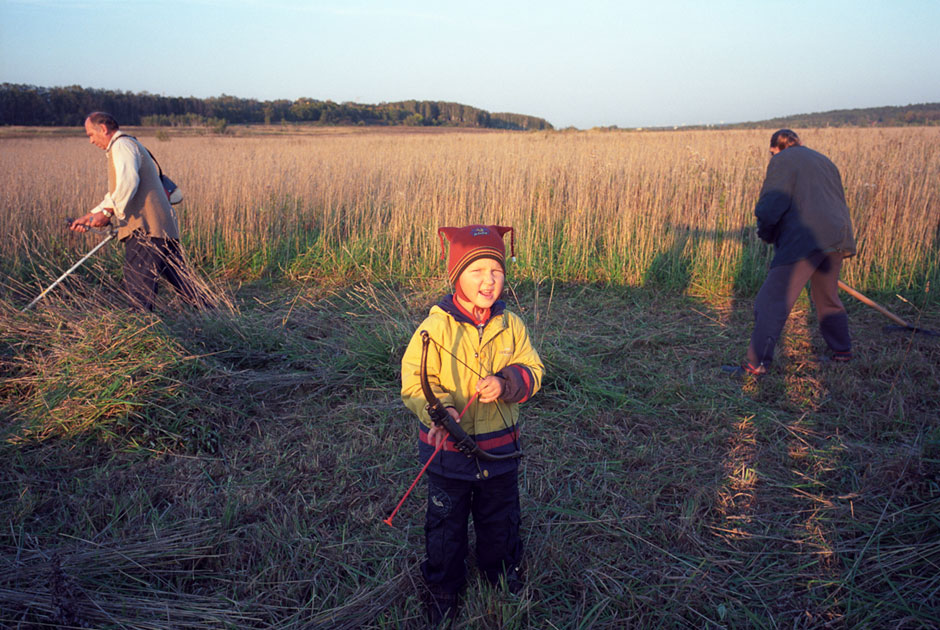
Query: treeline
point(67, 106)
point(922, 114)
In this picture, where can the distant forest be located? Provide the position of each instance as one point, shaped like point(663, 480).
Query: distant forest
point(29, 105)
point(923, 114)
point(67, 106)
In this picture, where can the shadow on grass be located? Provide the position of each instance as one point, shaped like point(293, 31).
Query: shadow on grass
point(655, 491)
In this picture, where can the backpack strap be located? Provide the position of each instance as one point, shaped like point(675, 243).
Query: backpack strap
point(152, 156)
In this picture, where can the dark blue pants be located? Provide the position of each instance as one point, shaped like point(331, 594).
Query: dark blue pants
point(145, 260)
point(494, 504)
point(778, 294)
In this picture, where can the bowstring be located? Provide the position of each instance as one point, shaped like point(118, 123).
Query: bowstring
point(496, 402)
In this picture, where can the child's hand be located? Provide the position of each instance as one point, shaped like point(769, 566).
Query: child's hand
point(490, 388)
point(438, 434)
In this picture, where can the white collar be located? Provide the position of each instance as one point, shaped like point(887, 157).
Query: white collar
point(117, 134)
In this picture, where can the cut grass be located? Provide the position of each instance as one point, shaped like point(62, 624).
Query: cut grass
point(656, 491)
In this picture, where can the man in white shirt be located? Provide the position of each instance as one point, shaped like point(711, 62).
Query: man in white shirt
point(146, 222)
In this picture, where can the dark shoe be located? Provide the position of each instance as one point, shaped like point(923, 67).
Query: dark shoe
point(511, 581)
point(515, 581)
point(835, 357)
point(441, 609)
point(740, 371)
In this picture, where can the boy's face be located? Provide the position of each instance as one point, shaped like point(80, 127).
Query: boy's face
point(482, 282)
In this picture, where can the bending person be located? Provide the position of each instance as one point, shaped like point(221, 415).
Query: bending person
point(146, 222)
point(802, 211)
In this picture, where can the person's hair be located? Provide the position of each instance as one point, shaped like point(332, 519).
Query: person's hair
point(784, 138)
point(104, 118)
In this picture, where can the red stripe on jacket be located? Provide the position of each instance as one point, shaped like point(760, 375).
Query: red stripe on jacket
point(527, 379)
point(486, 445)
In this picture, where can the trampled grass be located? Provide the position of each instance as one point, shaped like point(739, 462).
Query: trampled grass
point(655, 490)
point(232, 468)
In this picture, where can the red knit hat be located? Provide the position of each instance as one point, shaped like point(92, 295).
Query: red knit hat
point(474, 242)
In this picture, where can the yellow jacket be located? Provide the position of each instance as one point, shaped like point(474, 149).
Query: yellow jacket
point(501, 347)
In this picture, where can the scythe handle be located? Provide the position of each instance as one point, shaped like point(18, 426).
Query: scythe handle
point(71, 269)
point(878, 307)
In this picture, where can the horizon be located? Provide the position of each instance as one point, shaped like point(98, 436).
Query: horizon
point(595, 64)
point(557, 127)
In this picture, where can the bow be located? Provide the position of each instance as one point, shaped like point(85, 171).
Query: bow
point(439, 416)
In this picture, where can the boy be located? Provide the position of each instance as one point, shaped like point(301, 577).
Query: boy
point(480, 360)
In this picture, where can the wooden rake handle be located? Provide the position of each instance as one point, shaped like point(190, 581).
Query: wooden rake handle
point(878, 307)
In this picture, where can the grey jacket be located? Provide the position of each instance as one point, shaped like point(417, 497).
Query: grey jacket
point(802, 209)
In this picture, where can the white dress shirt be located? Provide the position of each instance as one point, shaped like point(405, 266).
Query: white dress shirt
point(126, 158)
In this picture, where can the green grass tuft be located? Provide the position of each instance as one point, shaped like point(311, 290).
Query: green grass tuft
point(233, 469)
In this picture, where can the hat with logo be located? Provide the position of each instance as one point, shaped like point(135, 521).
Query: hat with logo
point(474, 242)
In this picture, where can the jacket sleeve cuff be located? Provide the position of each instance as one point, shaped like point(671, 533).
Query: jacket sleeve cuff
point(519, 383)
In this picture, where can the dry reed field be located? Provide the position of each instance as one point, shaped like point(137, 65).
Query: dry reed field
point(627, 208)
point(231, 468)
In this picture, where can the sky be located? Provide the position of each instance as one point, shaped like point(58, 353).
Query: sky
point(582, 64)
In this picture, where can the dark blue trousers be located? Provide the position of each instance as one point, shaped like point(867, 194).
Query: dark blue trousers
point(494, 505)
point(778, 294)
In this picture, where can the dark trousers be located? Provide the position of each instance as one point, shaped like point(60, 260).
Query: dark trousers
point(778, 295)
point(145, 260)
point(494, 504)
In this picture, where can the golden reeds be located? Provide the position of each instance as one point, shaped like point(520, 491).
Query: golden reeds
point(631, 208)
